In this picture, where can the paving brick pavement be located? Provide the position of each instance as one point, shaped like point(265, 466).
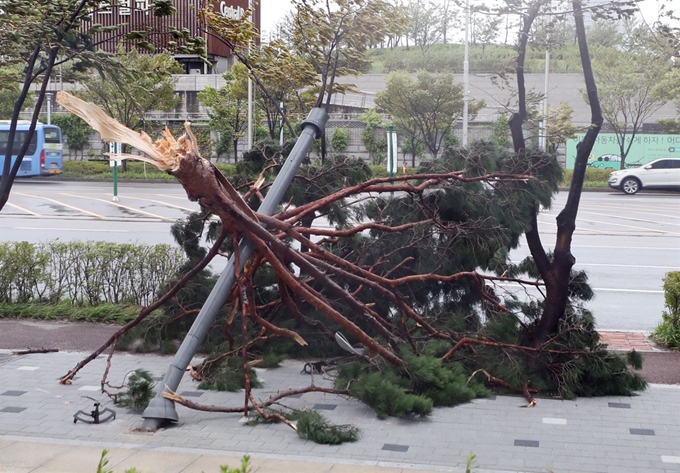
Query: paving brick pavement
point(611, 434)
point(628, 340)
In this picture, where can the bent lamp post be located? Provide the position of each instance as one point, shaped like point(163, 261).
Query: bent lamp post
point(161, 409)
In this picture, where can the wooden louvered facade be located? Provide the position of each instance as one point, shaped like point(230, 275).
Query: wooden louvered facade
point(137, 15)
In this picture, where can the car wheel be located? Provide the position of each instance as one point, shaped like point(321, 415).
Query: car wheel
point(630, 186)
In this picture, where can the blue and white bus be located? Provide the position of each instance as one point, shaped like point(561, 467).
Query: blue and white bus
point(44, 154)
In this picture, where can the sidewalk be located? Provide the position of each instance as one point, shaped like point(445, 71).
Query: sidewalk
point(37, 434)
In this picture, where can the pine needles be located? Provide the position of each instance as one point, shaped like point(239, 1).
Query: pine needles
point(311, 425)
point(139, 391)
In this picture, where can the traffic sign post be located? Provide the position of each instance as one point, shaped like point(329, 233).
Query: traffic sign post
point(115, 149)
point(391, 151)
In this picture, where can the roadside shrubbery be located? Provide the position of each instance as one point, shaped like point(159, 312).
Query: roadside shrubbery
point(668, 331)
point(594, 177)
point(84, 273)
point(135, 170)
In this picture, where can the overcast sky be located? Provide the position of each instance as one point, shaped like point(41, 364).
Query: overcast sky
point(273, 10)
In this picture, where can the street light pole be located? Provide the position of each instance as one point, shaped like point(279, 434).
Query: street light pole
point(161, 409)
point(250, 90)
point(544, 123)
point(466, 70)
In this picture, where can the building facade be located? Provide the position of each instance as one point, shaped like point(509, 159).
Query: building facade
point(137, 15)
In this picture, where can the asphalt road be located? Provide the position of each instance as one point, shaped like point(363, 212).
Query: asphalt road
point(625, 243)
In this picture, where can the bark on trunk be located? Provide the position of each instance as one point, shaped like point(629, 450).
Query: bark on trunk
point(556, 273)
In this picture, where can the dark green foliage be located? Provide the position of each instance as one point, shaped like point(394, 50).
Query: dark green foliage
point(444, 384)
point(271, 359)
point(227, 375)
point(590, 371)
point(387, 397)
point(424, 382)
point(313, 426)
point(139, 391)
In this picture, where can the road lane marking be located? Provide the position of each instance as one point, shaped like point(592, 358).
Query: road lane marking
point(608, 231)
point(139, 219)
point(632, 219)
point(108, 230)
point(23, 209)
point(676, 248)
point(636, 291)
point(595, 289)
point(611, 265)
point(163, 203)
point(645, 211)
point(185, 198)
point(62, 204)
point(132, 209)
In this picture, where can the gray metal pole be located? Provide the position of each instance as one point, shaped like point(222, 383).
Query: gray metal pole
point(466, 79)
point(161, 409)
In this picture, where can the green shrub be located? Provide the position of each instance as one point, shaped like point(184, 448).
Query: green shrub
point(340, 140)
point(100, 169)
point(594, 177)
point(667, 333)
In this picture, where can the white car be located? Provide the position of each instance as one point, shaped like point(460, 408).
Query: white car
point(663, 173)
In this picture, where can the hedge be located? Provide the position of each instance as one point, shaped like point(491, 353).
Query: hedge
point(85, 273)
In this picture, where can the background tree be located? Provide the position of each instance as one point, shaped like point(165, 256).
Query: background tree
point(485, 30)
point(555, 269)
point(147, 84)
point(77, 132)
point(335, 38)
point(672, 125)
point(560, 125)
point(228, 109)
point(10, 78)
point(425, 23)
point(426, 106)
point(632, 87)
point(605, 34)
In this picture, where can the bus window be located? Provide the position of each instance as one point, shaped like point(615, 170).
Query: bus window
point(19, 139)
point(43, 155)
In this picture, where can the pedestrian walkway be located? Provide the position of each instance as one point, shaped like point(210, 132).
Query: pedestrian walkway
point(611, 434)
point(627, 340)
